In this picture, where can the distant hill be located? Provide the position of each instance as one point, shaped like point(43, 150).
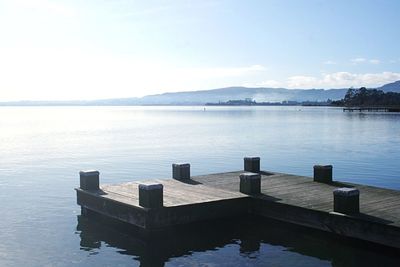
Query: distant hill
point(364, 97)
point(215, 95)
point(230, 93)
point(390, 87)
point(258, 94)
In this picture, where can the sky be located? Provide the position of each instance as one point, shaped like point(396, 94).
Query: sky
point(69, 50)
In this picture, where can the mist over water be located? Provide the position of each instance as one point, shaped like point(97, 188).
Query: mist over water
point(43, 149)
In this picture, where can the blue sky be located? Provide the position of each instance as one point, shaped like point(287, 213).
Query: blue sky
point(104, 49)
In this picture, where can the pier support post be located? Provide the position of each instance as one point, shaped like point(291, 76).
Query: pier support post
point(323, 173)
point(89, 180)
point(346, 200)
point(150, 195)
point(252, 164)
point(181, 171)
point(250, 183)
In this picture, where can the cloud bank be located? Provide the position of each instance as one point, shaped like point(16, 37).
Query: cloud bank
point(335, 80)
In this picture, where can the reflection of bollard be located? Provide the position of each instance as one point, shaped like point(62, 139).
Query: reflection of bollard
point(323, 173)
point(346, 200)
point(250, 183)
point(89, 180)
point(252, 164)
point(181, 171)
point(249, 245)
point(150, 195)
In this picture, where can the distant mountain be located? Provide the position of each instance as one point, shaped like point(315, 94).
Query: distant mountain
point(391, 87)
point(231, 93)
point(258, 94)
point(214, 96)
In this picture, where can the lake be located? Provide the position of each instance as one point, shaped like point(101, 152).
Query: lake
point(43, 149)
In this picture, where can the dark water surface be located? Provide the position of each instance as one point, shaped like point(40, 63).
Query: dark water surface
point(42, 150)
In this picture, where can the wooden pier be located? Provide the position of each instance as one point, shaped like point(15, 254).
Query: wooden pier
point(372, 109)
point(351, 210)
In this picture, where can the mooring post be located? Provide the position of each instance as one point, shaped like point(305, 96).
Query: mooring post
point(89, 180)
point(151, 195)
point(252, 164)
point(346, 200)
point(323, 173)
point(250, 183)
point(181, 171)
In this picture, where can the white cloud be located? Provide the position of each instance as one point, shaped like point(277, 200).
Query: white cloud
point(362, 60)
point(343, 80)
point(330, 62)
point(374, 61)
point(270, 83)
point(301, 81)
point(358, 60)
point(204, 73)
point(267, 83)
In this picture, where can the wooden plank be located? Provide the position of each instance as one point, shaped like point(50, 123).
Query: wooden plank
point(176, 192)
point(292, 198)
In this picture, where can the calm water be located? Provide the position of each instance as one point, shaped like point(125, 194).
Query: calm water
point(42, 150)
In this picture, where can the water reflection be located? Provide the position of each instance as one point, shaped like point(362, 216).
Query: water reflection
point(253, 235)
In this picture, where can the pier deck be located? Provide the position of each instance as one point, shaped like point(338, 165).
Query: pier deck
point(376, 204)
point(176, 193)
point(372, 109)
point(290, 198)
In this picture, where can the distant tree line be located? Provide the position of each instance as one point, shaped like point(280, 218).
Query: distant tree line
point(364, 97)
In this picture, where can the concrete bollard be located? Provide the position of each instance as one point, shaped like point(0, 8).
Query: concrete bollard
point(252, 164)
point(89, 180)
point(346, 200)
point(323, 173)
point(151, 195)
point(181, 171)
point(250, 183)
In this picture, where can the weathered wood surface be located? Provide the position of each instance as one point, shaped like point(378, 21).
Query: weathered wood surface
point(184, 202)
point(300, 200)
point(290, 198)
point(375, 203)
point(176, 193)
